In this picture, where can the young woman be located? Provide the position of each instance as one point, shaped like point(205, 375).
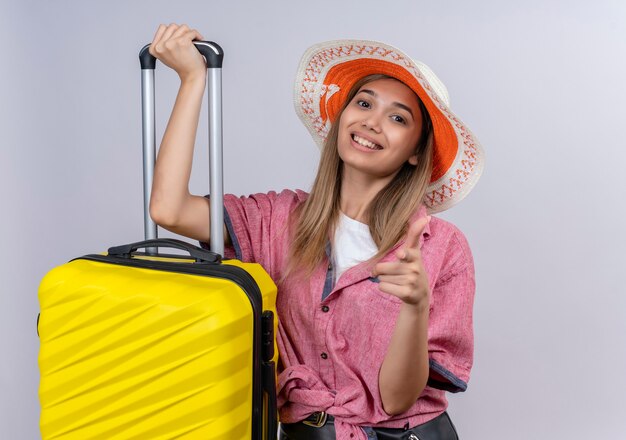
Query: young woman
point(375, 296)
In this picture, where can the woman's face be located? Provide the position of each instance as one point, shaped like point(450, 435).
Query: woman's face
point(379, 128)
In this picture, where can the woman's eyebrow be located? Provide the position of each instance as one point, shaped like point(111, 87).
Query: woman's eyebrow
point(395, 104)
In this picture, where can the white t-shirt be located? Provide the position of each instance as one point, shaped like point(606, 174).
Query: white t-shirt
point(352, 245)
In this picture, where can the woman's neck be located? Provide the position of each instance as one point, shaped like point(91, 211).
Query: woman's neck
point(357, 191)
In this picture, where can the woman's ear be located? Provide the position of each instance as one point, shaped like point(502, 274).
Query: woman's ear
point(413, 160)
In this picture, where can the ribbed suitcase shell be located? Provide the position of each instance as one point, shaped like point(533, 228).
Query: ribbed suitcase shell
point(145, 353)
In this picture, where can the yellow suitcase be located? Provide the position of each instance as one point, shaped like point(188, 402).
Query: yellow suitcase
point(146, 345)
point(153, 347)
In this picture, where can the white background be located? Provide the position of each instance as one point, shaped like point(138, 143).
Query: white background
point(541, 83)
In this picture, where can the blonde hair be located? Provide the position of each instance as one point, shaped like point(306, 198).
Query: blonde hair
point(388, 214)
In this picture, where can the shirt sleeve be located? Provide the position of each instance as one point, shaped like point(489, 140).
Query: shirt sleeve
point(451, 335)
point(257, 226)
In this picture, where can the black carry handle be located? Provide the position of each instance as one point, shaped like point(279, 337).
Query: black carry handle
point(201, 255)
point(211, 51)
point(269, 373)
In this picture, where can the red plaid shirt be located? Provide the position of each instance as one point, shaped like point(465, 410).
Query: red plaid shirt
point(332, 339)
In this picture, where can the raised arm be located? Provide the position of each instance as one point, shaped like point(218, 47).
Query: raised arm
point(171, 204)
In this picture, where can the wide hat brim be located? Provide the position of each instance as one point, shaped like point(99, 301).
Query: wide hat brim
point(327, 72)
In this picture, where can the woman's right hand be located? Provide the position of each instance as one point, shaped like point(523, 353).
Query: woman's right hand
point(172, 45)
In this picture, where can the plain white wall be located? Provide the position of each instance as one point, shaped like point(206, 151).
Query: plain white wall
point(541, 83)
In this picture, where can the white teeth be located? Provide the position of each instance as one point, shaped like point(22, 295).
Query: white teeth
point(365, 143)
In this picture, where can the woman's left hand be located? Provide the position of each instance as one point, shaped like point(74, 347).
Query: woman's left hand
point(406, 278)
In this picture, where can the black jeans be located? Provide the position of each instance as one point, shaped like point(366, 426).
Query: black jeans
point(439, 428)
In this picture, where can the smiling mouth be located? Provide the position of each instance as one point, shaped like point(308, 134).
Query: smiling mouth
point(365, 143)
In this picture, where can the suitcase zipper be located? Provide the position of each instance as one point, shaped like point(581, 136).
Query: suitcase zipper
point(232, 273)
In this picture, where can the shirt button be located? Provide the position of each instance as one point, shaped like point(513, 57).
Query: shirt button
point(324, 356)
point(325, 309)
point(330, 266)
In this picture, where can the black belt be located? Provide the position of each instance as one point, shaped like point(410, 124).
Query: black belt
point(321, 426)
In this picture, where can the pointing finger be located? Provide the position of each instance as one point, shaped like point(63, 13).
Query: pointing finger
point(415, 232)
point(412, 238)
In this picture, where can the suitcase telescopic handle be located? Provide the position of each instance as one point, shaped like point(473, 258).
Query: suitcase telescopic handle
point(214, 56)
point(200, 255)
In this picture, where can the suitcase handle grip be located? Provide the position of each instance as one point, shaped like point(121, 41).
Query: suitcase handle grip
point(212, 52)
point(201, 255)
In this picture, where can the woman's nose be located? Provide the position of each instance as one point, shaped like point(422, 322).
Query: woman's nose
point(372, 122)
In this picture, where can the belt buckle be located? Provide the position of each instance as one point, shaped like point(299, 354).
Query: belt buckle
point(320, 420)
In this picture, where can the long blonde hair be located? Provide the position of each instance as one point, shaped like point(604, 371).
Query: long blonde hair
point(388, 214)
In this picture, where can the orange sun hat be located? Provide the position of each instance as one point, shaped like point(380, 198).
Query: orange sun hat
point(327, 72)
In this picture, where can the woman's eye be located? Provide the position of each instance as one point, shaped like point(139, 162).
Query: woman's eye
point(399, 119)
point(363, 104)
